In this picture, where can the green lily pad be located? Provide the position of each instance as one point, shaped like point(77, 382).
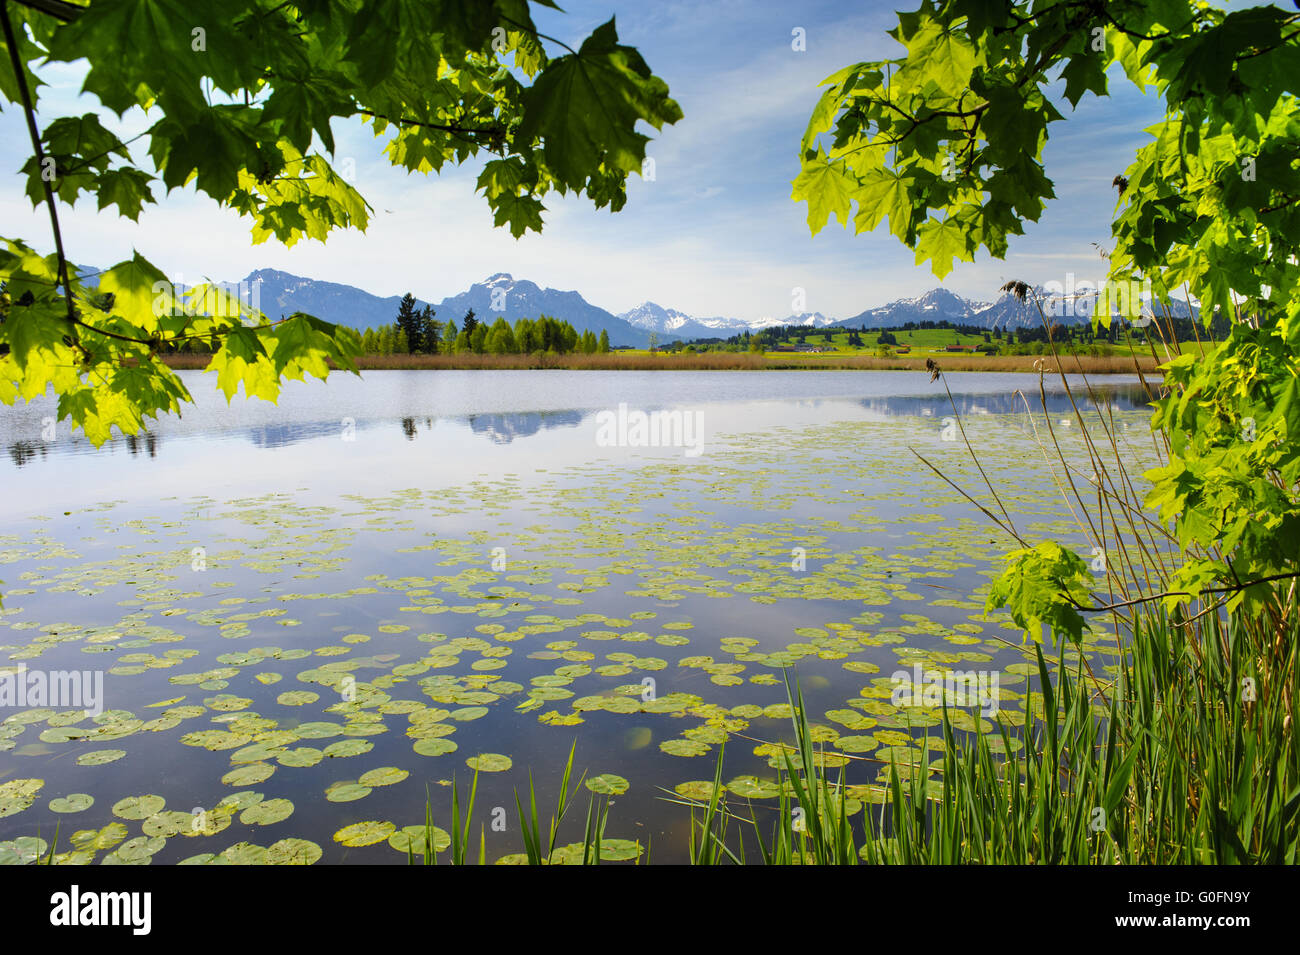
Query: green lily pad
point(348, 747)
point(73, 802)
point(413, 837)
point(17, 794)
point(267, 812)
point(140, 848)
point(138, 807)
point(300, 757)
point(700, 789)
point(751, 787)
point(347, 792)
point(684, 747)
point(489, 762)
point(434, 747)
point(384, 776)
point(249, 775)
point(607, 784)
point(297, 698)
point(467, 713)
point(293, 852)
point(245, 853)
point(364, 833)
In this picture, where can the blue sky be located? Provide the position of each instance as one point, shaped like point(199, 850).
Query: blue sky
point(715, 233)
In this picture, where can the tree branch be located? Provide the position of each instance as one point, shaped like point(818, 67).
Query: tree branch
point(63, 12)
point(35, 135)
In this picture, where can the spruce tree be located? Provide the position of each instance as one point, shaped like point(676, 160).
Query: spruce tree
point(409, 320)
point(430, 331)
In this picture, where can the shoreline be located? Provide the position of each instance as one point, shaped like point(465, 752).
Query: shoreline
point(614, 361)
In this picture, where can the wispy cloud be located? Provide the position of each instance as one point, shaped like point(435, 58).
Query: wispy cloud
point(715, 233)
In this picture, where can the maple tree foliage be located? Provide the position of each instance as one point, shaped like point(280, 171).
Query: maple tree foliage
point(241, 96)
point(945, 143)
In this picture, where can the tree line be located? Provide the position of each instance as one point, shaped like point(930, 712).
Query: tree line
point(416, 331)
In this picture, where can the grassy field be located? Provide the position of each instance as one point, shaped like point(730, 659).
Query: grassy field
point(929, 341)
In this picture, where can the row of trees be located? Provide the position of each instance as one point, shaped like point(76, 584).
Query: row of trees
point(417, 331)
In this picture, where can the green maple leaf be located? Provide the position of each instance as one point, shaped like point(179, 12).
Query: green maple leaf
point(584, 106)
point(502, 175)
point(127, 188)
point(305, 344)
point(140, 43)
point(242, 359)
point(883, 192)
point(828, 189)
point(521, 212)
point(303, 102)
point(132, 284)
point(937, 54)
point(941, 243)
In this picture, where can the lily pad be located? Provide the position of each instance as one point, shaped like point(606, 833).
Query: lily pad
point(607, 784)
point(249, 775)
point(384, 776)
point(434, 747)
point(364, 833)
point(414, 838)
point(138, 807)
point(348, 747)
point(73, 802)
point(293, 852)
point(489, 762)
point(266, 813)
point(347, 792)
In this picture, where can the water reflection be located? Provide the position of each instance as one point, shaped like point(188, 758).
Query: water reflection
point(474, 406)
point(21, 452)
point(283, 435)
point(1114, 397)
point(504, 428)
point(148, 441)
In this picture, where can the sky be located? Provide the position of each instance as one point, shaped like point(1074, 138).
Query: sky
point(714, 234)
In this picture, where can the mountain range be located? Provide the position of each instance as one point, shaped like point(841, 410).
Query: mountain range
point(282, 293)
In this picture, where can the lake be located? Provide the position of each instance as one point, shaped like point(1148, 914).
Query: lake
point(306, 618)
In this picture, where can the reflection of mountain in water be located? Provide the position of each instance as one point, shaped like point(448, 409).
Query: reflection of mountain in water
point(504, 428)
point(281, 435)
point(1122, 397)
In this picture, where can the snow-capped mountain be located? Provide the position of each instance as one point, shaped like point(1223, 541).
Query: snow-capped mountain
point(503, 295)
point(281, 293)
point(1060, 308)
point(667, 321)
point(806, 319)
point(1009, 311)
point(936, 305)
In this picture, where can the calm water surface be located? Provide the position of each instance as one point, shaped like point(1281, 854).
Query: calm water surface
point(370, 557)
